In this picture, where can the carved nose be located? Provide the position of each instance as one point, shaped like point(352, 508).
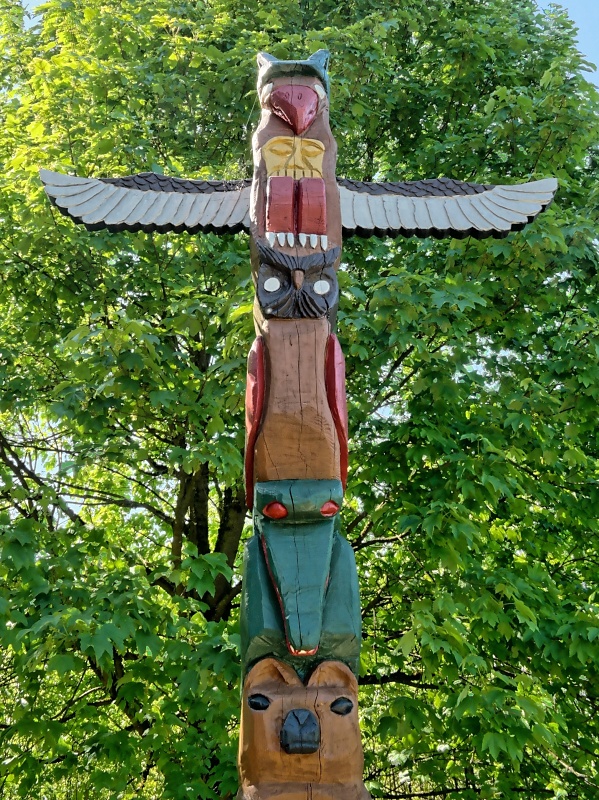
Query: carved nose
point(298, 278)
point(300, 733)
point(295, 105)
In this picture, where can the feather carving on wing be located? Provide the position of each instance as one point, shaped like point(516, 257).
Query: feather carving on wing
point(441, 207)
point(150, 202)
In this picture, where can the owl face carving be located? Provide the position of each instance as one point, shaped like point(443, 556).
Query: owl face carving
point(293, 733)
point(295, 287)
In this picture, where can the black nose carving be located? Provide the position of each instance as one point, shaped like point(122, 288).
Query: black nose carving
point(300, 732)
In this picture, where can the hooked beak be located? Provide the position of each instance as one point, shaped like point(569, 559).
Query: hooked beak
point(298, 278)
point(295, 105)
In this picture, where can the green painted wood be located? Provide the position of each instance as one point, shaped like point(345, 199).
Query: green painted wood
point(305, 549)
point(298, 552)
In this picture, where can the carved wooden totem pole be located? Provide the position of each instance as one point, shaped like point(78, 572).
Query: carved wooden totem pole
point(300, 614)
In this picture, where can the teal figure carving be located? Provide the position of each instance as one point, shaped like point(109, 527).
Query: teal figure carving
point(300, 599)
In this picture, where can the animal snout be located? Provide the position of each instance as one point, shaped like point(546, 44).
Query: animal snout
point(300, 732)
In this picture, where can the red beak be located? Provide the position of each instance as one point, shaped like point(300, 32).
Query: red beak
point(296, 105)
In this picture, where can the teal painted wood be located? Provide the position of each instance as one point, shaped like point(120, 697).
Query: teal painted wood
point(302, 498)
point(298, 553)
point(262, 632)
point(300, 581)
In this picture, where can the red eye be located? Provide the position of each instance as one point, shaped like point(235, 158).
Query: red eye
point(329, 509)
point(275, 510)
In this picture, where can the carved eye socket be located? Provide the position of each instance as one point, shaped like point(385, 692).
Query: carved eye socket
point(275, 510)
point(342, 706)
point(272, 285)
point(282, 149)
point(320, 91)
point(258, 702)
point(322, 287)
point(311, 149)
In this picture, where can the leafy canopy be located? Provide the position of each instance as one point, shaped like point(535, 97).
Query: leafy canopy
point(472, 379)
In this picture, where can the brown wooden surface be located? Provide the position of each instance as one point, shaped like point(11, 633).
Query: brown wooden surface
point(298, 438)
point(333, 772)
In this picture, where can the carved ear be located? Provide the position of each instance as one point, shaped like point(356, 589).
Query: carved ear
point(334, 674)
point(264, 59)
point(269, 670)
point(321, 59)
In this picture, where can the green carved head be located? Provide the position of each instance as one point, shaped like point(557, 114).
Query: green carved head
point(296, 522)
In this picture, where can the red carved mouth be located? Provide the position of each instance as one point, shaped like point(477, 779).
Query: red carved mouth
point(295, 105)
point(295, 652)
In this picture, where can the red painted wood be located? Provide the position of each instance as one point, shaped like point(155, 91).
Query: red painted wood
point(254, 406)
point(275, 510)
point(329, 509)
point(280, 204)
point(311, 206)
point(295, 105)
point(335, 383)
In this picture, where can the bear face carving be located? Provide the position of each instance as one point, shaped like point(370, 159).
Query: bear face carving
point(300, 740)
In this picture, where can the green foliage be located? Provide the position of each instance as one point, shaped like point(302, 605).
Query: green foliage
point(472, 380)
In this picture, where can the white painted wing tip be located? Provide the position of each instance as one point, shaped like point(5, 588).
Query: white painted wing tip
point(50, 179)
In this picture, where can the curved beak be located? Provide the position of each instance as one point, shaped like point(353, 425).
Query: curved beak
point(298, 278)
point(296, 105)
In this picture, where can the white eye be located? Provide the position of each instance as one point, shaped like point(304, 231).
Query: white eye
point(322, 287)
point(320, 91)
point(274, 284)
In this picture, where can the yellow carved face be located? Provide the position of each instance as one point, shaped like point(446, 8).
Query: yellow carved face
point(294, 157)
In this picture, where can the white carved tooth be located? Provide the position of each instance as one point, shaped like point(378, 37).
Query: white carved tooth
point(281, 239)
point(270, 236)
point(302, 239)
point(290, 239)
point(313, 240)
point(324, 242)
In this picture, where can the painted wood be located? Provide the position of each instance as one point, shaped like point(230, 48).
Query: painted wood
point(311, 206)
point(335, 385)
point(297, 549)
point(295, 105)
point(261, 623)
point(298, 437)
point(331, 772)
point(280, 204)
point(296, 286)
point(254, 406)
point(300, 607)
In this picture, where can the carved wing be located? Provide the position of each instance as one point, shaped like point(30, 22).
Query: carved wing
point(441, 207)
point(150, 202)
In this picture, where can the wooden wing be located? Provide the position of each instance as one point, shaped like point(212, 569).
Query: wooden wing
point(150, 202)
point(441, 207)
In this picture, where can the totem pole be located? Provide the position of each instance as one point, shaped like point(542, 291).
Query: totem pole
point(300, 611)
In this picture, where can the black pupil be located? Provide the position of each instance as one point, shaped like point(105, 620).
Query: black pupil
point(342, 706)
point(258, 702)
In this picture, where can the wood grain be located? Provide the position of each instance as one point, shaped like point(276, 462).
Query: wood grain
point(270, 126)
point(298, 437)
point(333, 772)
